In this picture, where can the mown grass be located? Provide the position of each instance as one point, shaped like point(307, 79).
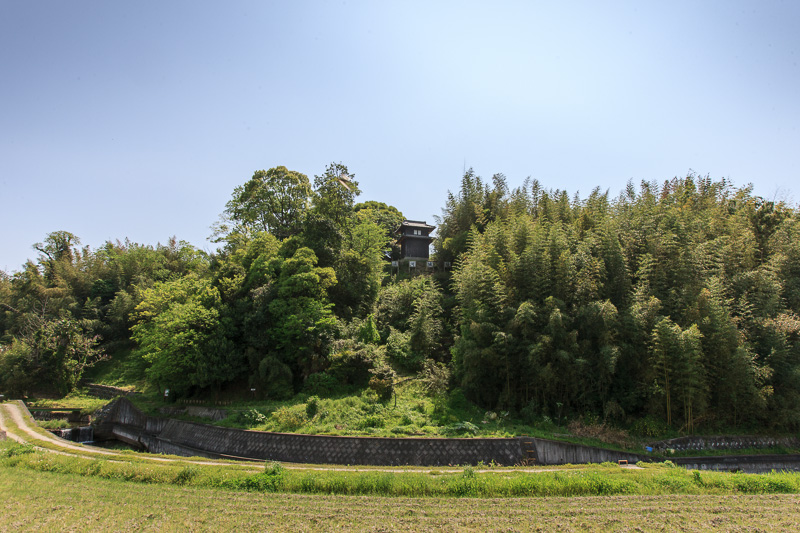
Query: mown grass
point(43, 501)
point(597, 480)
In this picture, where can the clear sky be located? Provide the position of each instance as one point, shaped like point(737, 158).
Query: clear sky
point(137, 119)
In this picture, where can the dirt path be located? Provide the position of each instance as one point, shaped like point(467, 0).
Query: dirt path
point(14, 413)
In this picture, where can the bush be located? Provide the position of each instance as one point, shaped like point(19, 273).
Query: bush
point(53, 424)
point(382, 382)
point(312, 406)
point(263, 482)
point(373, 421)
point(649, 427)
point(351, 362)
point(289, 418)
point(186, 475)
point(459, 428)
point(382, 387)
point(251, 417)
point(273, 468)
point(321, 384)
point(530, 413)
point(600, 432)
point(398, 349)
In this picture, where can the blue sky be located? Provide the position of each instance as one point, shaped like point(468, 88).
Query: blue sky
point(137, 119)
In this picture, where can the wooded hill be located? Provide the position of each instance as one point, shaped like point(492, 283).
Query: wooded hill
point(674, 303)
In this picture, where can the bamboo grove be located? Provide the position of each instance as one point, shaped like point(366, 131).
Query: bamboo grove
point(677, 301)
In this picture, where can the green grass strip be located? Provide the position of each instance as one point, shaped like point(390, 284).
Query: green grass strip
point(275, 478)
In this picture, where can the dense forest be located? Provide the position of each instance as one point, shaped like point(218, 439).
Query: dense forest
point(674, 303)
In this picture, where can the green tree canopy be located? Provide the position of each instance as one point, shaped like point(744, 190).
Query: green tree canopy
point(273, 200)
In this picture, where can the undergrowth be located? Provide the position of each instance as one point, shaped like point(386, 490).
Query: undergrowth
point(78, 399)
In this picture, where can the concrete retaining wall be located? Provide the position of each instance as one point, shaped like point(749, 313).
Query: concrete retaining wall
point(79, 434)
point(751, 464)
point(559, 453)
point(322, 449)
point(122, 420)
point(725, 443)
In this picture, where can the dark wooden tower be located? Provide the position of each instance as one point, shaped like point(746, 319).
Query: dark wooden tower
point(414, 239)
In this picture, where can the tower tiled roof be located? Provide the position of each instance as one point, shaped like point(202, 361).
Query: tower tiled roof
point(415, 224)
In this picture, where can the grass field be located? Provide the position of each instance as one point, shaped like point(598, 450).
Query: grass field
point(589, 480)
point(73, 491)
point(608, 479)
point(39, 501)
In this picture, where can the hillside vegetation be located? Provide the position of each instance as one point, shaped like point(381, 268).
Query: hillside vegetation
point(672, 307)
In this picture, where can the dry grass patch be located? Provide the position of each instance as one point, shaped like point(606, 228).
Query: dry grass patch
point(601, 432)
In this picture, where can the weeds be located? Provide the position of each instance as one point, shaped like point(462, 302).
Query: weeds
point(186, 474)
point(250, 417)
point(53, 424)
point(78, 399)
point(10, 448)
point(601, 432)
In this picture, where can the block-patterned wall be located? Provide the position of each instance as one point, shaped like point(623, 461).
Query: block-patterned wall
point(178, 437)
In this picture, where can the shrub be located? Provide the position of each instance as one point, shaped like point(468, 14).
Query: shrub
point(312, 406)
point(263, 482)
point(251, 417)
point(351, 362)
point(459, 428)
point(530, 413)
point(649, 427)
point(599, 431)
point(289, 418)
point(274, 468)
point(382, 387)
point(53, 424)
point(613, 412)
point(398, 349)
point(321, 384)
point(382, 382)
point(186, 475)
point(373, 421)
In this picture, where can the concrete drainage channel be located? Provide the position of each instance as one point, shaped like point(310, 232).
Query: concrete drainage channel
point(83, 434)
point(121, 420)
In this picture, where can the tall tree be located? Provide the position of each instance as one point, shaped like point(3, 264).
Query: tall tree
point(273, 200)
point(179, 335)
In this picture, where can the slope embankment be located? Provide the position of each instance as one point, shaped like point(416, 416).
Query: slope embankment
point(125, 422)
